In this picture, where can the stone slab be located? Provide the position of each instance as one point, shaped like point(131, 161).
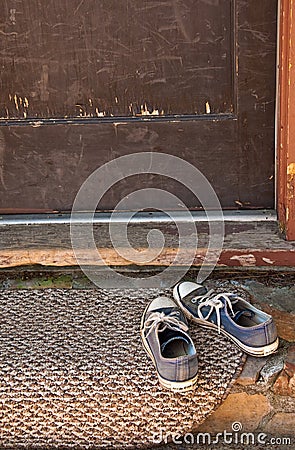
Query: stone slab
point(248, 410)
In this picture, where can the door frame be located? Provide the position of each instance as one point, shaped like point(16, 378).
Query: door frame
point(286, 119)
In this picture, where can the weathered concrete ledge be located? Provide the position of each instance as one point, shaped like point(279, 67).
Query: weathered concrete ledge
point(246, 244)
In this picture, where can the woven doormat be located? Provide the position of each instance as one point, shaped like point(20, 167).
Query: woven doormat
point(73, 373)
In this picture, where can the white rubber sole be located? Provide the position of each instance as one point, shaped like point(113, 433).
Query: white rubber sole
point(176, 386)
point(253, 351)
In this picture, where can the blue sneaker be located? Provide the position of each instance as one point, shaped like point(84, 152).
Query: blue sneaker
point(251, 329)
point(164, 332)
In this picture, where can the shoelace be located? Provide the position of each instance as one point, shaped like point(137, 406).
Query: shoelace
point(172, 321)
point(215, 303)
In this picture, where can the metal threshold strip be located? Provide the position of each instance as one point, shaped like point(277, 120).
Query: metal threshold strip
point(138, 217)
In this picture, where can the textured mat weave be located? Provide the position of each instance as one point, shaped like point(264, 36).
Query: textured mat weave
point(73, 373)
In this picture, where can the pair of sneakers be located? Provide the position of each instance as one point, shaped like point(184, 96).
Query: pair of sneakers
point(166, 338)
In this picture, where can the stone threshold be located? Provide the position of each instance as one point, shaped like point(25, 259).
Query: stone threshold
point(247, 244)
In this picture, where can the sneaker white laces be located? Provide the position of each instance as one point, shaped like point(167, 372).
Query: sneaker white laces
point(215, 303)
point(160, 318)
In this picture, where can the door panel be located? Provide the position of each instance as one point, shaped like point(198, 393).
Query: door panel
point(72, 58)
point(85, 81)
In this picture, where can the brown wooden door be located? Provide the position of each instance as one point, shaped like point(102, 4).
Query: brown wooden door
point(80, 80)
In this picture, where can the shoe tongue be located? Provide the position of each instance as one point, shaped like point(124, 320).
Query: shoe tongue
point(171, 335)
